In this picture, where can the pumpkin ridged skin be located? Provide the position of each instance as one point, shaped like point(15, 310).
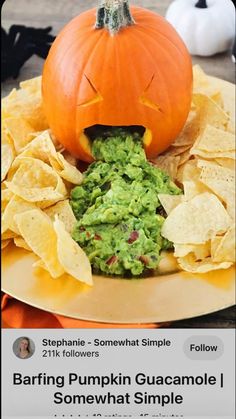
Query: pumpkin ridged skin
point(140, 76)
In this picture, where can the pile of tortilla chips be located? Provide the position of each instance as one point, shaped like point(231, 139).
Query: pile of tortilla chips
point(201, 222)
point(37, 176)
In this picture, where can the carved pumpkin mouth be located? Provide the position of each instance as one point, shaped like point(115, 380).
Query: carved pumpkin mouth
point(89, 134)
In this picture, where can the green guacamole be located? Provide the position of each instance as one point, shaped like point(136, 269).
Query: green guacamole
point(117, 207)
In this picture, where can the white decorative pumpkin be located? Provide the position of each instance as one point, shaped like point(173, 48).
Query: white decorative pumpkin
point(206, 26)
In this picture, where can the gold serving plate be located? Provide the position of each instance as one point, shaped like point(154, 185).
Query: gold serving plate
point(174, 295)
point(162, 298)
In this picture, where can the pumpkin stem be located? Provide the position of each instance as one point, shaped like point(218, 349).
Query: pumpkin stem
point(201, 4)
point(113, 15)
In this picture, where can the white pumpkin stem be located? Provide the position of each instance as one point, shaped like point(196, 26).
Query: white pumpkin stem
point(201, 4)
point(113, 15)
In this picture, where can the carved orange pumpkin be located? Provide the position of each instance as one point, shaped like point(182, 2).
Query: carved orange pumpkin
point(138, 72)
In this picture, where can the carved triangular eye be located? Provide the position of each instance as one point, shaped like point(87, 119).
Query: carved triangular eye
point(147, 98)
point(88, 94)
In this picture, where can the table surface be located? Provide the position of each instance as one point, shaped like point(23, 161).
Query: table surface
point(57, 13)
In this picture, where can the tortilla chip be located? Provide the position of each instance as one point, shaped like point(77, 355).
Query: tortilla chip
point(18, 129)
point(196, 221)
point(40, 264)
point(169, 202)
point(188, 171)
point(71, 256)
point(6, 196)
point(216, 140)
point(15, 206)
point(35, 181)
point(215, 155)
point(184, 157)
point(202, 84)
point(228, 163)
point(66, 170)
point(190, 131)
point(26, 103)
point(190, 264)
point(64, 213)
point(42, 148)
point(200, 251)
point(230, 206)
point(8, 234)
point(69, 158)
point(193, 188)
point(5, 243)
point(8, 154)
point(31, 224)
point(7, 159)
point(223, 248)
point(220, 180)
point(168, 164)
point(20, 242)
point(209, 112)
point(32, 85)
